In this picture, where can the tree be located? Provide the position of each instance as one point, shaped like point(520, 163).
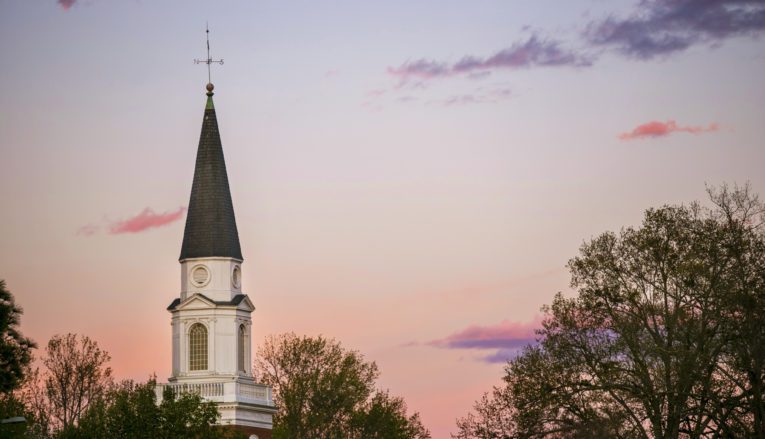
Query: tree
point(75, 375)
point(130, 411)
point(743, 217)
point(660, 342)
point(187, 415)
point(384, 417)
point(15, 349)
point(325, 391)
point(493, 417)
point(15, 358)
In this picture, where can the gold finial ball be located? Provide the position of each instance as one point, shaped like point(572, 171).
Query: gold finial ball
point(210, 87)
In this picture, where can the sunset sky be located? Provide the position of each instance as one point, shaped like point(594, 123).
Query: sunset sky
point(408, 177)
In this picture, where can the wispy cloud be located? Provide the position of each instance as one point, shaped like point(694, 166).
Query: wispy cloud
point(145, 220)
point(655, 129)
point(507, 337)
point(88, 230)
point(533, 52)
point(464, 99)
point(655, 28)
point(372, 106)
point(663, 27)
point(66, 4)
point(406, 99)
point(479, 97)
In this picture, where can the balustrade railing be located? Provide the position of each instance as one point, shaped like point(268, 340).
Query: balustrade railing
point(205, 390)
point(221, 392)
point(257, 392)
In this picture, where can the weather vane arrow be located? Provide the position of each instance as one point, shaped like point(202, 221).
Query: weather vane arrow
point(209, 59)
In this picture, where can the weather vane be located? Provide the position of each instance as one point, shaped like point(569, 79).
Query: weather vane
point(209, 60)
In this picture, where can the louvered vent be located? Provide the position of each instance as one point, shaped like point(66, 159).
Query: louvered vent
point(200, 276)
point(236, 277)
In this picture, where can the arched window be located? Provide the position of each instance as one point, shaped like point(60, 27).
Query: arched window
point(198, 347)
point(240, 348)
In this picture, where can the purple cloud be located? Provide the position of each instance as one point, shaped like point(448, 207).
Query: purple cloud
point(479, 97)
point(534, 52)
point(662, 27)
point(508, 338)
point(422, 68)
point(502, 356)
point(465, 99)
point(506, 335)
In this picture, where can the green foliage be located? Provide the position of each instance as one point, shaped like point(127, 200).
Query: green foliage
point(130, 411)
point(186, 415)
point(325, 391)
point(73, 397)
point(15, 349)
point(384, 417)
point(15, 358)
point(663, 340)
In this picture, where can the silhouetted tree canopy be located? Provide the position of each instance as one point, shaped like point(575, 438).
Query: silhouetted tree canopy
point(663, 340)
point(15, 358)
point(130, 411)
point(324, 391)
point(15, 349)
point(72, 396)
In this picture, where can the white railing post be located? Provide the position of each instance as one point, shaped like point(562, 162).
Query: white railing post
point(230, 391)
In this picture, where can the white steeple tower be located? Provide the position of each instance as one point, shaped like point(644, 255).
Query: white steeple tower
point(211, 320)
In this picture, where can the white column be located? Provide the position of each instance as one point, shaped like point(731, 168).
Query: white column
point(248, 347)
point(176, 341)
point(211, 346)
point(183, 340)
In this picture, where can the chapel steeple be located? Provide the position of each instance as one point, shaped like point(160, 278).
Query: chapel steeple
point(212, 316)
point(210, 223)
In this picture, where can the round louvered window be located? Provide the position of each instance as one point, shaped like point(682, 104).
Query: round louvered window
point(236, 276)
point(200, 276)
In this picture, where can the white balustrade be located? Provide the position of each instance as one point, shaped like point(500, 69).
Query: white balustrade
point(256, 392)
point(222, 391)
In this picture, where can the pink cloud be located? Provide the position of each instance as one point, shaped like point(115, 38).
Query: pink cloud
point(145, 220)
point(662, 129)
point(506, 334)
point(66, 4)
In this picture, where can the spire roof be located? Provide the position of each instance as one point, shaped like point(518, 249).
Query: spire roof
point(210, 223)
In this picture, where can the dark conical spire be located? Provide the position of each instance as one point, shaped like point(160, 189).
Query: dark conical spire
point(210, 223)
